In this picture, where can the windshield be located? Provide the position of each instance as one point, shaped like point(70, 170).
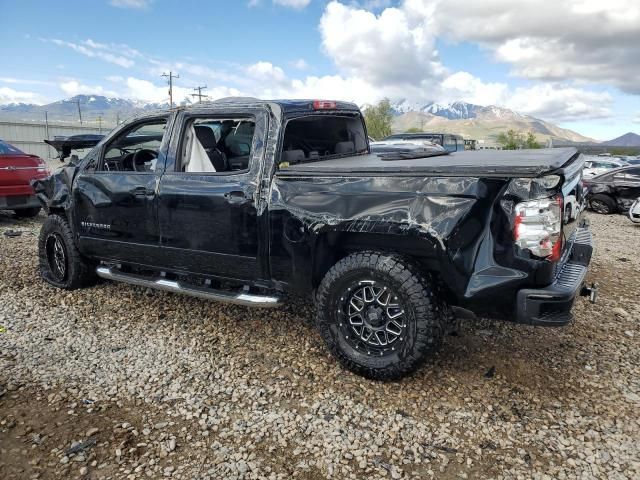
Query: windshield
point(6, 149)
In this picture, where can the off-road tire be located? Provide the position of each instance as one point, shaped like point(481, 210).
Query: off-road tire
point(78, 271)
point(27, 212)
point(424, 318)
point(606, 204)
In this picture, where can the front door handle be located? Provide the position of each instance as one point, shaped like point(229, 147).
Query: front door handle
point(236, 197)
point(141, 192)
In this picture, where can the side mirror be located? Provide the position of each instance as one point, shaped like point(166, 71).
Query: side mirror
point(73, 160)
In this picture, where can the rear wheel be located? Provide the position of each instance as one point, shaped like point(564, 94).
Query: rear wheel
point(27, 212)
point(61, 264)
point(378, 315)
point(603, 204)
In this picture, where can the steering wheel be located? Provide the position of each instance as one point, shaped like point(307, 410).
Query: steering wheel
point(141, 157)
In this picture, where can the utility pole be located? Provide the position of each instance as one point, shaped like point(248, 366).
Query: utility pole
point(46, 130)
point(79, 111)
point(170, 76)
point(117, 118)
point(100, 124)
point(199, 94)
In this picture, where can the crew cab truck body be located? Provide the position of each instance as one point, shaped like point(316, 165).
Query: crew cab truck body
point(247, 201)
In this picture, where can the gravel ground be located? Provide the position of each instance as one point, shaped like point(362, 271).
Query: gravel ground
point(118, 382)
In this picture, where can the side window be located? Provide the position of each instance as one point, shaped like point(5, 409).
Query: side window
point(449, 143)
point(215, 145)
point(135, 150)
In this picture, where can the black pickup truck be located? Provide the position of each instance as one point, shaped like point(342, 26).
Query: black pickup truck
point(248, 201)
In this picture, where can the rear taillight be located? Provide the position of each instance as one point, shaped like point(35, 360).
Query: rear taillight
point(538, 227)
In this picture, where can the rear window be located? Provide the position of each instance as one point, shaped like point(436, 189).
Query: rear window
point(6, 149)
point(320, 137)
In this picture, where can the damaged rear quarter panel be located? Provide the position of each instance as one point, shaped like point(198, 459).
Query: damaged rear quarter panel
point(441, 219)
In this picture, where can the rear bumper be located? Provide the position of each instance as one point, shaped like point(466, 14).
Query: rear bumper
point(17, 202)
point(551, 305)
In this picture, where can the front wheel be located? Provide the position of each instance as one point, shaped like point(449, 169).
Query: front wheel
point(378, 315)
point(603, 204)
point(61, 264)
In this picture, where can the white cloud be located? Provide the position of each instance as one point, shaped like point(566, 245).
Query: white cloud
point(266, 71)
point(386, 49)
point(74, 87)
point(297, 4)
point(9, 95)
point(464, 86)
point(136, 4)
point(146, 91)
point(92, 49)
point(300, 64)
point(552, 40)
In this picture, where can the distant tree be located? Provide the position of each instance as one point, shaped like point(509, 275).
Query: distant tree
point(531, 141)
point(414, 130)
point(378, 119)
point(624, 151)
point(511, 140)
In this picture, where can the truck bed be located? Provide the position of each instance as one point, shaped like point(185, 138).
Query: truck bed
point(477, 163)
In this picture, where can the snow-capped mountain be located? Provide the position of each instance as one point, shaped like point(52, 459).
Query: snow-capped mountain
point(475, 121)
point(454, 110)
point(107, 109)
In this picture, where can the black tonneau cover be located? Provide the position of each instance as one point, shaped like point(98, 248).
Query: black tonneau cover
point(477, 163)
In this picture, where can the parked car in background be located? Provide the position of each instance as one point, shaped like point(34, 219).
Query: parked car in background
point(614, 191)
point(450, 142)
point(594, 166)
point(17, 170)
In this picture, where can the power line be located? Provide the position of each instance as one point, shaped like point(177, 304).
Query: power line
point(199, 94)
point(170, 76)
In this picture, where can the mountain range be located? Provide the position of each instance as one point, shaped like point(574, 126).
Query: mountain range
point(627, 140)
point(92, 107)
point(478, 122)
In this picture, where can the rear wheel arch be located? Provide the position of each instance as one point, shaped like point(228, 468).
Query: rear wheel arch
point(331, 247)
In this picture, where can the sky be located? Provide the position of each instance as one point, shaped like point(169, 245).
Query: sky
point(575, 63)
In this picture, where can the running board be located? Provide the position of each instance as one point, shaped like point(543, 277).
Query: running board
point(246, 299)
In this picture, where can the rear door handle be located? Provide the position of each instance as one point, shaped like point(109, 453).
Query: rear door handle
point(141, 192)
point(236, 196)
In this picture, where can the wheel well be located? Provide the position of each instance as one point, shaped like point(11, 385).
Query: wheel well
point(334, 246)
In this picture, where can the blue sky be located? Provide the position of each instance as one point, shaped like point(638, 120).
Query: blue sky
point(539, 57)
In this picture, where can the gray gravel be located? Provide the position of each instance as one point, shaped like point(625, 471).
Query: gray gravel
point(170, 386)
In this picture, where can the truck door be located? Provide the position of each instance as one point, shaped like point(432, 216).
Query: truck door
point(207, 198)
point(115, 196)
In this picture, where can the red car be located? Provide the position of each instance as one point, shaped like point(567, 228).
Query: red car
point(17, 170)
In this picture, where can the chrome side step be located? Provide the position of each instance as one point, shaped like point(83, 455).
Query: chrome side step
point(247, 299)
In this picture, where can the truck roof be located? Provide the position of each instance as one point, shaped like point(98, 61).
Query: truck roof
point(287, 106)
point(477, 163)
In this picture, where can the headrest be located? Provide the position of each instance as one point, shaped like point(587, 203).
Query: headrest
point(345, 147)
point(206, 136)
point(293, 156)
